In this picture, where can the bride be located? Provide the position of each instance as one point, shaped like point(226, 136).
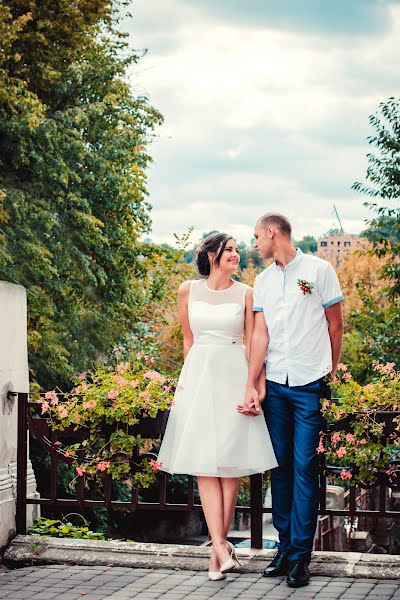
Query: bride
point(206, 434)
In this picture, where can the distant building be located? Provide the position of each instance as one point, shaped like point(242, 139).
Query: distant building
point(335, 247)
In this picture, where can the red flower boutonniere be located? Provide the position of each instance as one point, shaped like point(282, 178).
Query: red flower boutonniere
point(305, 286)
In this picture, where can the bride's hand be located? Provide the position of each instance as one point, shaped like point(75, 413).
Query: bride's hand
point(251, 406)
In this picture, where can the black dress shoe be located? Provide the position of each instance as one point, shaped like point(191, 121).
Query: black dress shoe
point(298, 574)
point(279, 566)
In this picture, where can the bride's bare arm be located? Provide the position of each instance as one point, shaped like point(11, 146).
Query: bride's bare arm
point(183, 299)
point(260, 383)
point(248, 321)
point(258, 351)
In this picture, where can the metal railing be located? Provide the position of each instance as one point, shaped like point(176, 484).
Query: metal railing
point(47, 439)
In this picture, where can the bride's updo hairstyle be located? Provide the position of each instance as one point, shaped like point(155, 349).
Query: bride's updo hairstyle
point(215, 242)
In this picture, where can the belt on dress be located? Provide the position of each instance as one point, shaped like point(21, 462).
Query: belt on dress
point(220, 340)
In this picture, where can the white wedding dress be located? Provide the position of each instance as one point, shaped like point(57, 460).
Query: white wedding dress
point(205, 434)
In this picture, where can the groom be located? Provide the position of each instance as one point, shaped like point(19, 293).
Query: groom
point(297, 301)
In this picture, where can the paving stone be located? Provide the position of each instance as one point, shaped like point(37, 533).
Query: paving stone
point(248, 596)
point(147, 596)
point(70, 596)
point(330, 596)
point(96, 596)
point(119, 583)
point(384, 588)
point(38, 587)
point(172, 596)
point(21, 594)
point(14, 585)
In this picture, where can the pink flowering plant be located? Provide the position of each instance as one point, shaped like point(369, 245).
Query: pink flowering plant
point(106, 405)
point(363, 449)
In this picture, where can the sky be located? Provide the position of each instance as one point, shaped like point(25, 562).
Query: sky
point(266, 106)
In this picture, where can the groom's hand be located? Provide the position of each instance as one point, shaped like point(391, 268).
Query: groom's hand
point(251, 404)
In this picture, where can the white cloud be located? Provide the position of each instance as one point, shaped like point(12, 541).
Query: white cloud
point(309, 213)
point(258, 115)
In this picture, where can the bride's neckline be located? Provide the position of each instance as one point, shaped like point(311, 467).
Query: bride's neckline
point(224, 290)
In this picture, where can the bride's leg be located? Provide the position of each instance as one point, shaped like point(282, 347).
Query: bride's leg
point(211, 497)
point(230, 488)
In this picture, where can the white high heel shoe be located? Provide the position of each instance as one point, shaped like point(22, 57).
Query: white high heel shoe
point(214, 575)
point(232, 562)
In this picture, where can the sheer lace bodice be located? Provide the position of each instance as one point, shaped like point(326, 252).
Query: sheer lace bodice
point(217, 315)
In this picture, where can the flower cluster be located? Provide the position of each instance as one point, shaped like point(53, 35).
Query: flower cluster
point(358, 441)
point(155, 464)
point(305, 286)
point(106, 405)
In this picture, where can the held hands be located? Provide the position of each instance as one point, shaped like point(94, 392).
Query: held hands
point(251, 406)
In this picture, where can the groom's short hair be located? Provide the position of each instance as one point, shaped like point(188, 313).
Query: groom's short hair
point(278, 220)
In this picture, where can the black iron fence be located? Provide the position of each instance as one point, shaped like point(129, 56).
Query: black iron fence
point(360, 503)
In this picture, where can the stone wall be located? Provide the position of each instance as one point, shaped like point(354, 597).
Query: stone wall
point(13, 377)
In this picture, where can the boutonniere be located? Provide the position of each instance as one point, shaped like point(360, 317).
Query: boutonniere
point(305, 286)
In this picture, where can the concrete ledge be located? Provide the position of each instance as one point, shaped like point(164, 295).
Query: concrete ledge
point(35, 549)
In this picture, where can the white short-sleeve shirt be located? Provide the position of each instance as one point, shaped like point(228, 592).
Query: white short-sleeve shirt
point(299, 348)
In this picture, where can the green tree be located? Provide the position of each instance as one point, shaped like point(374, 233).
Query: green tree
point(308, 244)
point(73, 158)
point(373, 324)
point(383, 187)
point(334, 231)
point(373, 335)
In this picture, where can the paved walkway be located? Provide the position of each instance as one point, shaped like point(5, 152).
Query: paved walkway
point(67, 582)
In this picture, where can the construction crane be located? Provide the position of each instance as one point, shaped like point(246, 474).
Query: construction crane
point(338, 218)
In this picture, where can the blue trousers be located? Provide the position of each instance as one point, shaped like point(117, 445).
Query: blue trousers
point(294, 421)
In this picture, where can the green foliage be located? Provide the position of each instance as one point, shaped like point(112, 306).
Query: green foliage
point(363, 450)
point(244, 488)
point(249, 256)
point(73, 159)
point(375, 325)
point(383, 175)
point(308, 244)
point(62, 528)
point(158, 333)
point(334, 231)
point(373, 335)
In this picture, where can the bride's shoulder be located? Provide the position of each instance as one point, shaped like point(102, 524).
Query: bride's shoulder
point(245, 289)
point(185, 286)
point(244, 286)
